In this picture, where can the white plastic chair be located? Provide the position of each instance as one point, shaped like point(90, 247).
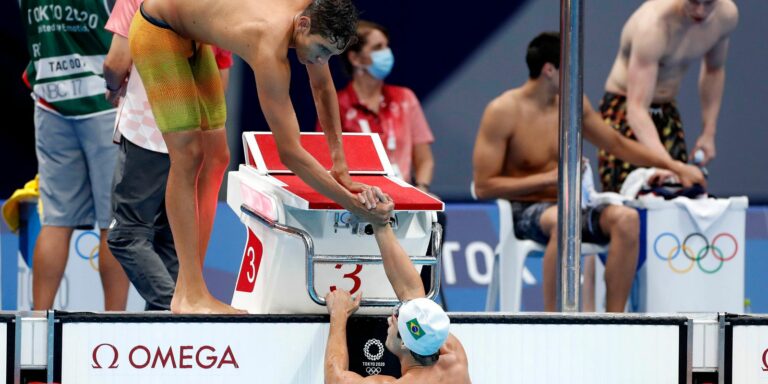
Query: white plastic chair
point(509, 262)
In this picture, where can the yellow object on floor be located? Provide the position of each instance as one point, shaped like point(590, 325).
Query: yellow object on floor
point(30, 191)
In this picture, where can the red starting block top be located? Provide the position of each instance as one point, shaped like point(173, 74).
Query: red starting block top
point(406, 198)
point(366, 158)
point(363, 152)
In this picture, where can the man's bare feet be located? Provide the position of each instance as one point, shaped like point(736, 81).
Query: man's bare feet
point(206, 305)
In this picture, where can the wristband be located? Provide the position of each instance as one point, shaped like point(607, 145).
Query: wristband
point(110, 89)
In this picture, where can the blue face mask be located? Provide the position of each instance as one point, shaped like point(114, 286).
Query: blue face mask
point(383, 61)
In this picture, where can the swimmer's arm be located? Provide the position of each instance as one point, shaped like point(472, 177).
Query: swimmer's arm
point(349, 377)
point(423, 166)
point(327, 105)
point(489, 157)
point(397, 265)
point(711, 86)
point(712, 82)
point(116, 66)
point(272, 73)
point(604, 137)
point(337, 356)
point(647, 49)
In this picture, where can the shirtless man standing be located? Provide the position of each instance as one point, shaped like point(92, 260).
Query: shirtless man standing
point(169, 46)
point(658, 43)
point(516, 158)
point(418, 332)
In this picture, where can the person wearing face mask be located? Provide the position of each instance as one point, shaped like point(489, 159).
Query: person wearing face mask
point(368, 104)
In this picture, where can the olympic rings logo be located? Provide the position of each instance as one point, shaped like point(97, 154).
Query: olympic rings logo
point(82, 246)
point(722, 244)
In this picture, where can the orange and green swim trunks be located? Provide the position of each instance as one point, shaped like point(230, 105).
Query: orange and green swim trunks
point(181, 78)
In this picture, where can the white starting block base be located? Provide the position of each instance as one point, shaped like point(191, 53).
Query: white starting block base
point(273, 271)
point(302, 245)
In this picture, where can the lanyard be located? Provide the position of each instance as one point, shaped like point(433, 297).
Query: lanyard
point(387, 127)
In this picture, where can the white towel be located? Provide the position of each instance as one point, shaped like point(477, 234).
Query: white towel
point(703, 212)
point(635, 181)
point(589, 195)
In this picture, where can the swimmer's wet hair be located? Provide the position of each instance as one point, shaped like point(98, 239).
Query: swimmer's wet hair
point(544, 48)
point(333, 19)
point(424, 361)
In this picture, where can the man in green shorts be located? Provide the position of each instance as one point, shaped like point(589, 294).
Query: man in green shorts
point(185, 93)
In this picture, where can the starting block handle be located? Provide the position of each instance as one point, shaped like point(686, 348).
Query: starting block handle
point(311, 258)
point(367, 259)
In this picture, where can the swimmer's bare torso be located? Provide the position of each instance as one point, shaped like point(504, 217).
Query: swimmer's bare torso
point(659, 32)
point(239, 26)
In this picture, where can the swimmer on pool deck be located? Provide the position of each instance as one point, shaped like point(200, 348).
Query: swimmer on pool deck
point(418, 328)
point(658, 43)
point(516, 158)
point(169, 46)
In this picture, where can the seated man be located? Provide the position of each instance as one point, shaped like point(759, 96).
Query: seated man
point(516, 158)
point(418, 328)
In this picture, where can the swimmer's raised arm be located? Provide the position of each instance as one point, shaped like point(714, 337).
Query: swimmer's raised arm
point(400, 271)
point(341, 306)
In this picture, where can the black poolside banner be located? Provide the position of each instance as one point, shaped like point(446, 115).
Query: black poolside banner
point(149, 348)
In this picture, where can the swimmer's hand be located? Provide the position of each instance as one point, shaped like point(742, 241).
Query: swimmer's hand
point(378, 204)
point(371, 196)
point(340, 173)
point(689, 175)
point(341, 304)
point(661, 177)
point(705, 143)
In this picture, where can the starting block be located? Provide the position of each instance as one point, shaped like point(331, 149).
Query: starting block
point(301, 245)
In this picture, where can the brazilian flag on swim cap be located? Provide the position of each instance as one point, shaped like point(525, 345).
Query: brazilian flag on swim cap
point(414, 328)
point(423, 326)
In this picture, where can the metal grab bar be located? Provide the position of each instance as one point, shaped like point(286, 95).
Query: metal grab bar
point(311, 259)
point(367, 259)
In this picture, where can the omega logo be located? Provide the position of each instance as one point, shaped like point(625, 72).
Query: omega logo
point(174, 357)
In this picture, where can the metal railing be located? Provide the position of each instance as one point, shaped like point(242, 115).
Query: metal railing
point(311, 259)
